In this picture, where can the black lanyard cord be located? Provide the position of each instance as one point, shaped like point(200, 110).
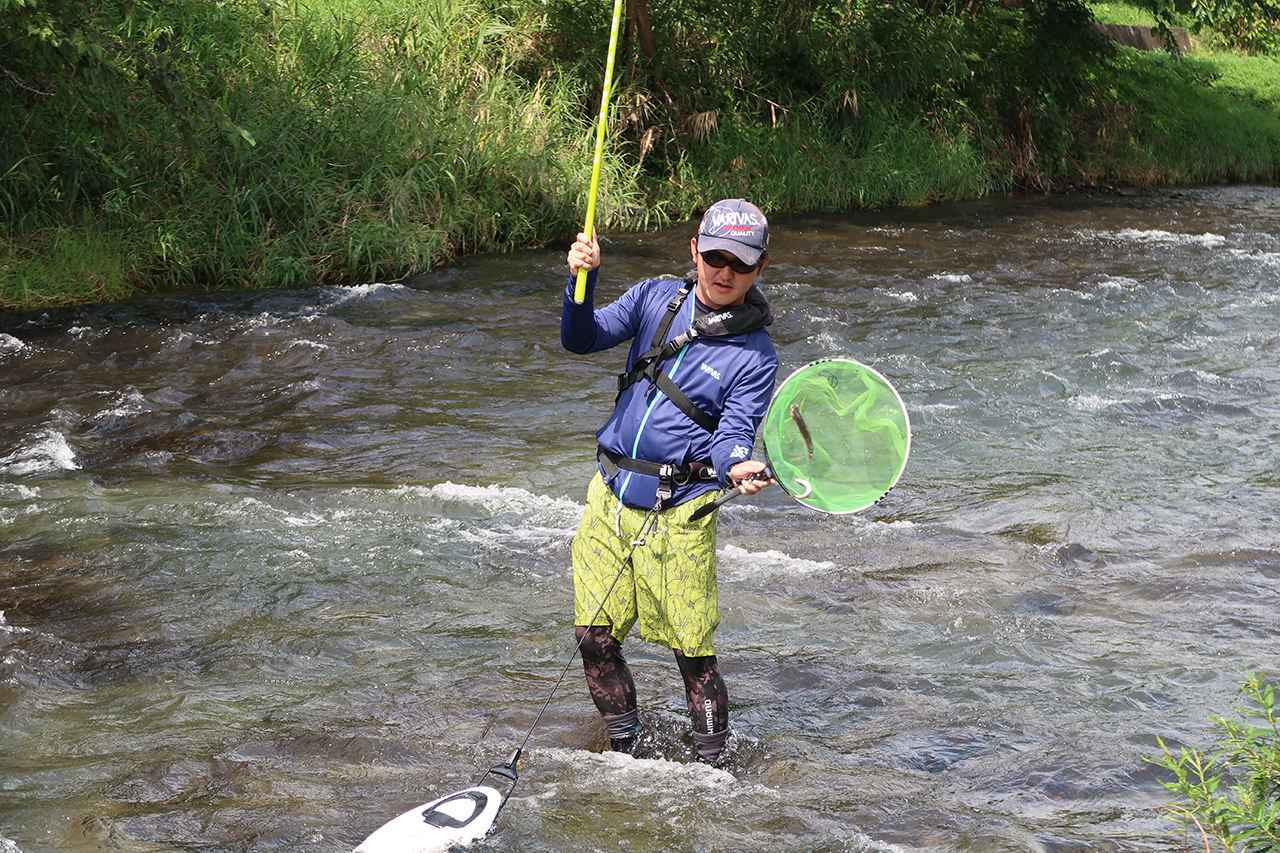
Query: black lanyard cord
point(510, 769)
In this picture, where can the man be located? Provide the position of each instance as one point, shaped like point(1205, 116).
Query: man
point(699, 377)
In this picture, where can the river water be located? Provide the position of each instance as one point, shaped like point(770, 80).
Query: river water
point(275, 567)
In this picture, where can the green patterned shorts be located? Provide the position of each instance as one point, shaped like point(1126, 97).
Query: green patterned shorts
point(670, 588)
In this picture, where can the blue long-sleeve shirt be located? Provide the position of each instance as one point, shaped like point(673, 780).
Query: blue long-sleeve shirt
point(731, 377)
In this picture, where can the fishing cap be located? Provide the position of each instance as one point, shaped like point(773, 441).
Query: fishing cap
point(736, 226)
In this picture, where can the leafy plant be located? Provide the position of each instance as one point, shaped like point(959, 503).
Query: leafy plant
point(1231, 792)
point(242, 143)
point(276, 143)
point(1250, 25)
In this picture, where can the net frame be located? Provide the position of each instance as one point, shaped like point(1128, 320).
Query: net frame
point(778, 396)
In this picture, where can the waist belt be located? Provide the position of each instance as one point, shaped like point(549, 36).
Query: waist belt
point(666, 472)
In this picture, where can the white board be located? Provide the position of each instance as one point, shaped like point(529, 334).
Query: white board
point(458, 818)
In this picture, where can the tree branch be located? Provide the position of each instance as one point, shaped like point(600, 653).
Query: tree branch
point(21, 85)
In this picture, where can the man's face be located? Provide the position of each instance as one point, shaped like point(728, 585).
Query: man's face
point(720, 287)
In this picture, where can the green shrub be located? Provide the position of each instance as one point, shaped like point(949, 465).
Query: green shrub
point(1231, 792)
point(1249, 25)
point(1009, 81)
point(1252, 25)
point(245, 143)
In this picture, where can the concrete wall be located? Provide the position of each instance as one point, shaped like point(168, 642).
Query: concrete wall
point(1144, 38)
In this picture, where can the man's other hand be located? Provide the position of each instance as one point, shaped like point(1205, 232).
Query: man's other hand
point(747, 476)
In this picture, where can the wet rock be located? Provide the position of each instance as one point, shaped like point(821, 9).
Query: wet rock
point(1041, 603)
point(941, 752)
point(1074, 554)
point(1037, 533)
point(1052, 385)
point(1145, 38)
point(225, 446)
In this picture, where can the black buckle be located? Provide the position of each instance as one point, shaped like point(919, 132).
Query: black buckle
point(509, 770)
point(676, 301)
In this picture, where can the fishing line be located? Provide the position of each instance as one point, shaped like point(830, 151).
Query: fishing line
point(471, 813)
point(647, 527)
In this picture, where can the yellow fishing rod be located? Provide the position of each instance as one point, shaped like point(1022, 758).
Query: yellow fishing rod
point(602, 128)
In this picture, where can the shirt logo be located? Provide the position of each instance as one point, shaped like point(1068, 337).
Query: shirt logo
point(739, 452)
point(708, 369)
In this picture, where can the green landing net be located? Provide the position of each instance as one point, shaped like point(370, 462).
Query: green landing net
point(837, 435)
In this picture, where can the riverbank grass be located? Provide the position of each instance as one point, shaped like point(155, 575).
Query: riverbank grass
point(293, 145)
point(1255, 78)
point(803, 165)
point(64, 266)
point(245, 144)
point(1122, 13)
point(1194, 119)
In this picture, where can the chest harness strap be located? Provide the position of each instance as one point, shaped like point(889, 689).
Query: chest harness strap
point(679, 475)
point(753, 314)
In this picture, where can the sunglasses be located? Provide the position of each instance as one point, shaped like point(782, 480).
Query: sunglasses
point(719, 260)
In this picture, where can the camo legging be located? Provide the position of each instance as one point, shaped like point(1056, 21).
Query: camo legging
point(614, 691)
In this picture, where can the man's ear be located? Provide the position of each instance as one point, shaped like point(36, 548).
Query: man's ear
point(693, 251)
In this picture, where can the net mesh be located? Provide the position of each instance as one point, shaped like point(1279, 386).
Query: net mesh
point(837, 435)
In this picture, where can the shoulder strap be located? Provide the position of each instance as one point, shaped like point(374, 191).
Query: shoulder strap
point(684, 404)
point(649, 365)
point(753, 314)
point(659, 349)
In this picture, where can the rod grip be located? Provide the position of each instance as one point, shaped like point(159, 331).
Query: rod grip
point(706, 509)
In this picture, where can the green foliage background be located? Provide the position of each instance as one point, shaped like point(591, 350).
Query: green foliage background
point(1230, 792)
point(230, 143)
point(1249, 25)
